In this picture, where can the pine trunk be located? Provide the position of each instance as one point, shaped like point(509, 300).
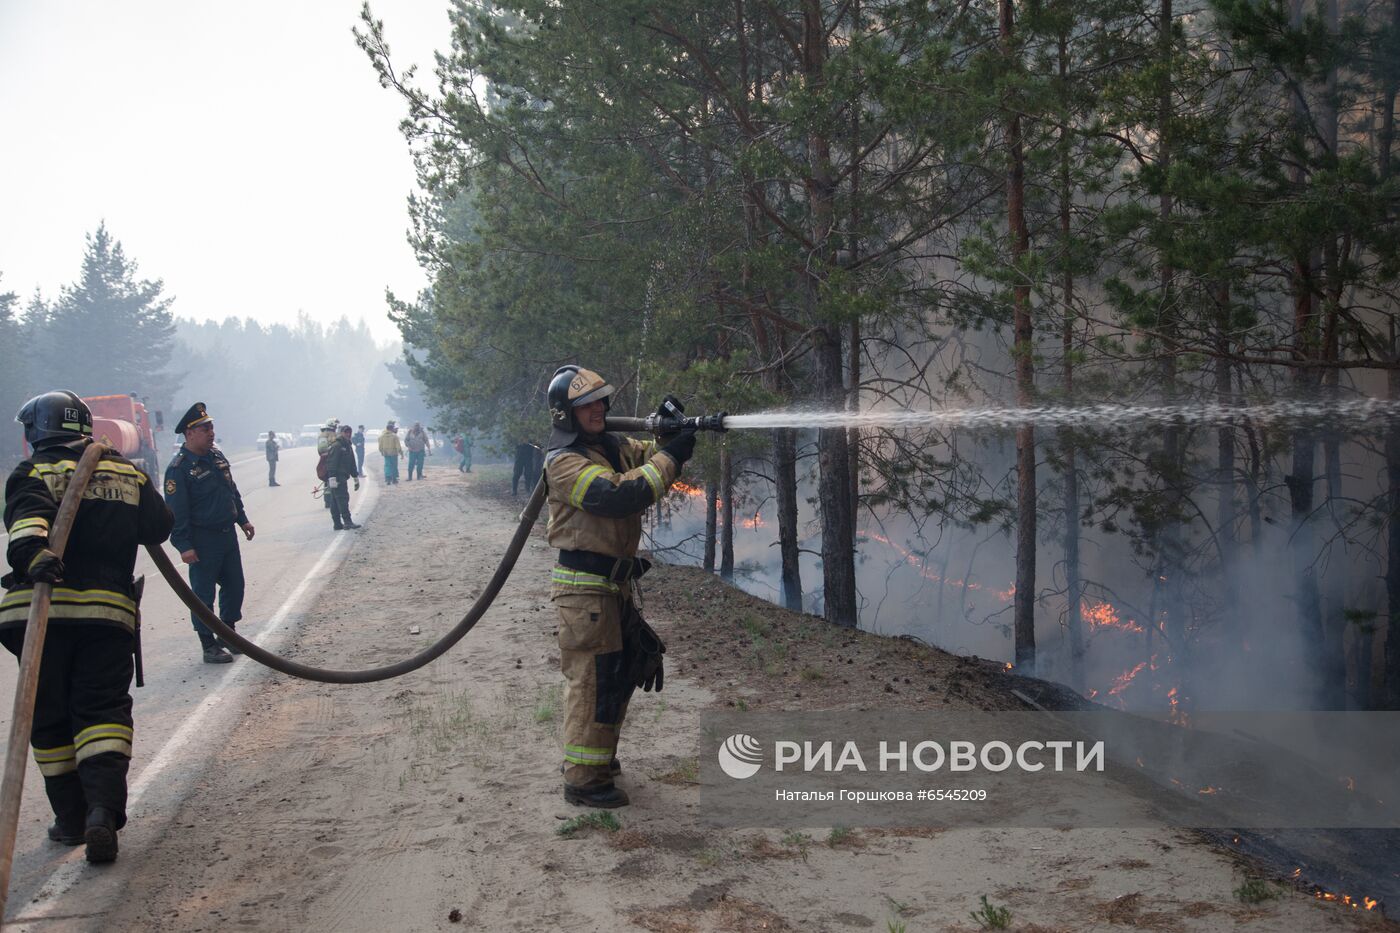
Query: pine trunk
point(833, 454)
point(711, 493)
point(1225, 514)
point(1074, 584)
point(1024, 335)
point(726, 493)
point(785, 476)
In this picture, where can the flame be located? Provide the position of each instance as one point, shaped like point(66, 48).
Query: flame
point(1208, 790)
point(1175, 713)
point(1105, 615)
point(1348, 782)
point(1366, 903)
point(1121, 682)
point(755, 522)
point(686, 489)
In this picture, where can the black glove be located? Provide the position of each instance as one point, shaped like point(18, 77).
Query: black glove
point(47, 567)
point(681, 446)
point(670, 409)
point(644, 649)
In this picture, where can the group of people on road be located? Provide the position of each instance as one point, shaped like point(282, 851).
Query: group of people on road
point(599, 484)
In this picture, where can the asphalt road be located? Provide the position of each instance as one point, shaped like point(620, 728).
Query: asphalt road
point(187, 706)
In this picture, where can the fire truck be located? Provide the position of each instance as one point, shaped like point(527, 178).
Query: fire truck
point(123, 422)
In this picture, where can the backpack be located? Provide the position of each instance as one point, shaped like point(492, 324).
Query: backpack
point(322, 473)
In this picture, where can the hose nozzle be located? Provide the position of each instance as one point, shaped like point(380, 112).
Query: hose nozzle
point(656, 424)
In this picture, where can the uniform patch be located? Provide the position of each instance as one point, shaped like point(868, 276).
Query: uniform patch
point(171, 486)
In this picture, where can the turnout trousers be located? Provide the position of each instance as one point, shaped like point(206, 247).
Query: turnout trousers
point(82, 718)
point(596, 686)
point(220, 565)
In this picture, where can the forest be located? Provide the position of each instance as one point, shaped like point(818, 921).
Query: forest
point(871, 205)
point(112, 331)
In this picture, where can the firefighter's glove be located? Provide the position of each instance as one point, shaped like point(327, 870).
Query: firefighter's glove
point(46, 567)
point(681, 446)
point(644, 650)
point(670, 409)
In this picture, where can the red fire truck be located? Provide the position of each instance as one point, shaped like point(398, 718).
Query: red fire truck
point(122, 421)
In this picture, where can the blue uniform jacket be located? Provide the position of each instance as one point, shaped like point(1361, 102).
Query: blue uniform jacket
point(202, 494)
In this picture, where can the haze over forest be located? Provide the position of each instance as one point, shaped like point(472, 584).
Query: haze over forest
point(113, 331)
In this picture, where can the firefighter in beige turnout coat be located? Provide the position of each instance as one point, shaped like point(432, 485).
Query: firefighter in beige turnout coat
point(599, 485)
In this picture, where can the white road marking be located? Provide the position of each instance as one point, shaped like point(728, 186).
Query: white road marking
point(240, 677)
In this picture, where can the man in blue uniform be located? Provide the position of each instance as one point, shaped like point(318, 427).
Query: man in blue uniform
point(200, 491)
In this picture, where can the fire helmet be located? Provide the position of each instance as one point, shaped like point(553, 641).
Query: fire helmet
point(571, 387)
point(55, 418)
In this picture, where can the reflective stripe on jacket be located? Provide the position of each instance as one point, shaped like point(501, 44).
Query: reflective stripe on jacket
point(120, 511)
point(597, 493)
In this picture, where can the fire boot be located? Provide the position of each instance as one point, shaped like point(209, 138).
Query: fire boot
point(603, 796)
point(101, 835)
point(227, 646)
point(65, 793)
point(213, 654)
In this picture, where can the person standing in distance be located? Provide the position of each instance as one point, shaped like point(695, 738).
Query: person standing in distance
point(599, 486)
point(418, 445)
point(340, 471)
point(82, 728)
point(200, 491)
point(272, 448)
point(390, 448)
point(359, 442)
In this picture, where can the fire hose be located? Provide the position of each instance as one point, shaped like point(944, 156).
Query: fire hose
point(22, 718)
point(653, 424)
point(305, 671)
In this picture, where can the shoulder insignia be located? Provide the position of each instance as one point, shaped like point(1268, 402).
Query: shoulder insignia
point(171, 486)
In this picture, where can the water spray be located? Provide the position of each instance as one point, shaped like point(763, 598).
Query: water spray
point(1353, 411)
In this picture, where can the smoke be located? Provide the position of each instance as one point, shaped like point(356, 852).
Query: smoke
point(950, 584)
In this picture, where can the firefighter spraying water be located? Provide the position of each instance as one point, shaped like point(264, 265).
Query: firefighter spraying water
point(597, 484)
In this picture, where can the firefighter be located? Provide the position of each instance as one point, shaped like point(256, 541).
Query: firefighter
point(599, 485)
point(200, 490)
point(82, 728)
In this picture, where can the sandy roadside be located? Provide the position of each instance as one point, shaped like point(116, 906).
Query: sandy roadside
point(406, 804)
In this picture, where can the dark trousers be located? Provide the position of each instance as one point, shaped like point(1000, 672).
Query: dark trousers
point(527, 467)
point(415, 460)
point(220, 564)
point(360, 460)
point(272, 472)
point(340, 504)
point(82, 718)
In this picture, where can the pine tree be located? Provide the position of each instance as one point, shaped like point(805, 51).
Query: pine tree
point(110, 332)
